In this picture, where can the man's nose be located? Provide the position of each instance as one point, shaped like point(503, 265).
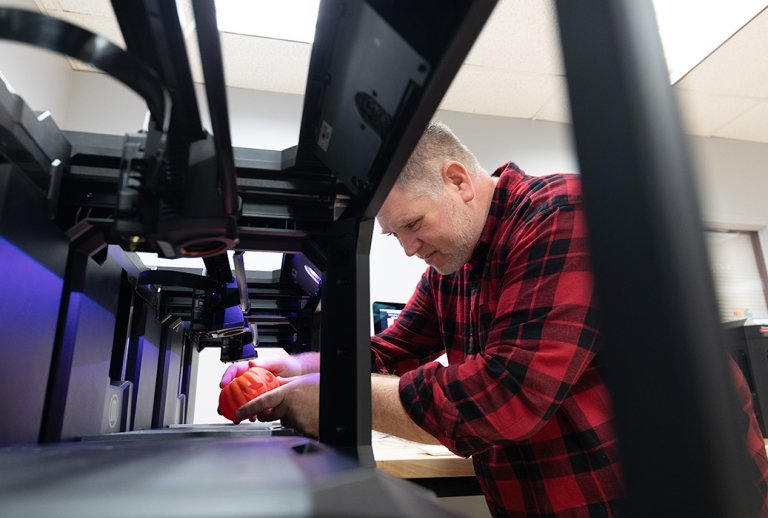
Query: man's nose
point(410, 245)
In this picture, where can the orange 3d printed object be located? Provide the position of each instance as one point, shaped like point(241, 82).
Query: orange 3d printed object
point(248, 385)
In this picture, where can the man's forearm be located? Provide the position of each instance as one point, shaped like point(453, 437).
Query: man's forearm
point(388, 413)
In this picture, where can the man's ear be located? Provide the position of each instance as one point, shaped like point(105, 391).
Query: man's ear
point(456, 176)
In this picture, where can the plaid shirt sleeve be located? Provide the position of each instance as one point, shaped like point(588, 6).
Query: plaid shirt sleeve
point(755, 442)
point(535, 327)
point(411, 341)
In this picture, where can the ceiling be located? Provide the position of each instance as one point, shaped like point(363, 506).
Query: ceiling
point(514, 69)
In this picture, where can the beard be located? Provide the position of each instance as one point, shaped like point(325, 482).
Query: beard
point(462, 246)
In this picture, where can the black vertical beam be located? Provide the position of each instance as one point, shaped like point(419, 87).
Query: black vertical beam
point(345, 365)
point(442, 33)
point(142, 363)
point(169, 380)
point(189, 366)
point(152, 32)
point(34, 256)
point(683, 453)
point(85, 241)
point(216, 93)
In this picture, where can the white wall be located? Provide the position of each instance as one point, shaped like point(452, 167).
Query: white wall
point(732, 181)
point(100, 104)
point(42, 78)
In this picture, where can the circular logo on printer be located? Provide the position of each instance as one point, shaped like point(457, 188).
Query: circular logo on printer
point(113, 404)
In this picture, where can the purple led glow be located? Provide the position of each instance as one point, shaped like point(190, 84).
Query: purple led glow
point(29, 306)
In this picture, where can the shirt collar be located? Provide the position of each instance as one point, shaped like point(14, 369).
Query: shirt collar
point(509, 174)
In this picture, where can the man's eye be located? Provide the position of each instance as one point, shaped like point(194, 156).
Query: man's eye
point(412, 225)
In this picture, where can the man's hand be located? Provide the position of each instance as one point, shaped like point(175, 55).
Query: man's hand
point(284, 365)
point(295, 404)
point(233, 371)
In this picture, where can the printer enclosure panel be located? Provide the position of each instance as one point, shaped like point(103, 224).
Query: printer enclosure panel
point(34, 255)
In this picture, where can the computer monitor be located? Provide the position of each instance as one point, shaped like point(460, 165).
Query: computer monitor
point(384, 313)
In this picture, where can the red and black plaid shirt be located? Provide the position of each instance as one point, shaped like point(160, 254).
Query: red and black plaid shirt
point(521, 393)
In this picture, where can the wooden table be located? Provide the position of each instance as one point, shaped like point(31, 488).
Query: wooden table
point(433, 467)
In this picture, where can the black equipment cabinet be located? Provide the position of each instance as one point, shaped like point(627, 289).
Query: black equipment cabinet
point(34, 255)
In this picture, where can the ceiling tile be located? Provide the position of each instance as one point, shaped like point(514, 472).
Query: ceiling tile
point(520, 35)
point(494, 91)
point(45, 5)
point(557, 108)
point(739, 67)
point(186, 15)
point(514, 69)
point(265, 64)
point(104, 26)
point(193, 55)
point(703, 114)
point(752, 125)
point(93, 7)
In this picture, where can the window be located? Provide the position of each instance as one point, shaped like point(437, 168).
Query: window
point(739, 274)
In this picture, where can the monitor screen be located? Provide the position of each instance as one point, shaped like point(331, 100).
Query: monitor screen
point(384, 313)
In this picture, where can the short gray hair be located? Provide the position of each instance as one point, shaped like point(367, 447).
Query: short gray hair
point(422, 172)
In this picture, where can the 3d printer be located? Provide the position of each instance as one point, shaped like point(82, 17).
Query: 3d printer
point(113, 344)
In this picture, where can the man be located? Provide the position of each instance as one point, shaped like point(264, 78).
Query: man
point(509, 297)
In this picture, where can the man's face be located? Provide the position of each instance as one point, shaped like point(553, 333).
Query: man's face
point(439, 231)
